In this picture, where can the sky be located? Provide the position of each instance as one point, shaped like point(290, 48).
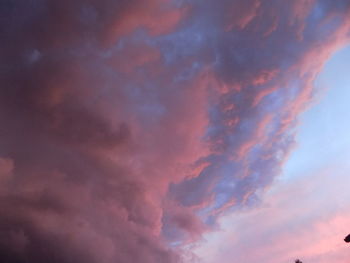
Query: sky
point(174, 131)
point(305, 213)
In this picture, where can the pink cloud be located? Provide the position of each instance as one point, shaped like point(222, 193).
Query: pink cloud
point(130, 126)
point(296, 220)
point(239, 15)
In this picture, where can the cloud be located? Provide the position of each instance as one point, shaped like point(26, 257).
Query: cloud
point(298, 219)
point(265, 82)
point(130, 126)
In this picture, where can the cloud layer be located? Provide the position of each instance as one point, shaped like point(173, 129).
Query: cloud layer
point(128, 127)
point(303, 218)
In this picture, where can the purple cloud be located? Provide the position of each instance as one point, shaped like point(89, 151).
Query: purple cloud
point(130, 126)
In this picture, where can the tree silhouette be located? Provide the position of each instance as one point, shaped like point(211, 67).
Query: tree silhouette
point(347, 239)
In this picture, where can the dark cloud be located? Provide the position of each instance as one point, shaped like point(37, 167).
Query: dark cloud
point(129, 124)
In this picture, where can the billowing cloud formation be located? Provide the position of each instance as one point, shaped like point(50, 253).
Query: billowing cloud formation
point(127, 127)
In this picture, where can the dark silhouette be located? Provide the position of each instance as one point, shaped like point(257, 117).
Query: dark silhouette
point(298, 261)
point(347, 239)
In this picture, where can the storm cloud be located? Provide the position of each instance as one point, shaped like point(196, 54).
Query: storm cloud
point(128, 127)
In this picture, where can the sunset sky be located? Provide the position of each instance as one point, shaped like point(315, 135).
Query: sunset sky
point(174, 131)
point(306, 213)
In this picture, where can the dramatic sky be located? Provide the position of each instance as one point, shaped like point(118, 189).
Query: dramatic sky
point(305, 214)
point(174, 131)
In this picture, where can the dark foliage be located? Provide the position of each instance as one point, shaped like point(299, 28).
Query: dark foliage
point(347, 239)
